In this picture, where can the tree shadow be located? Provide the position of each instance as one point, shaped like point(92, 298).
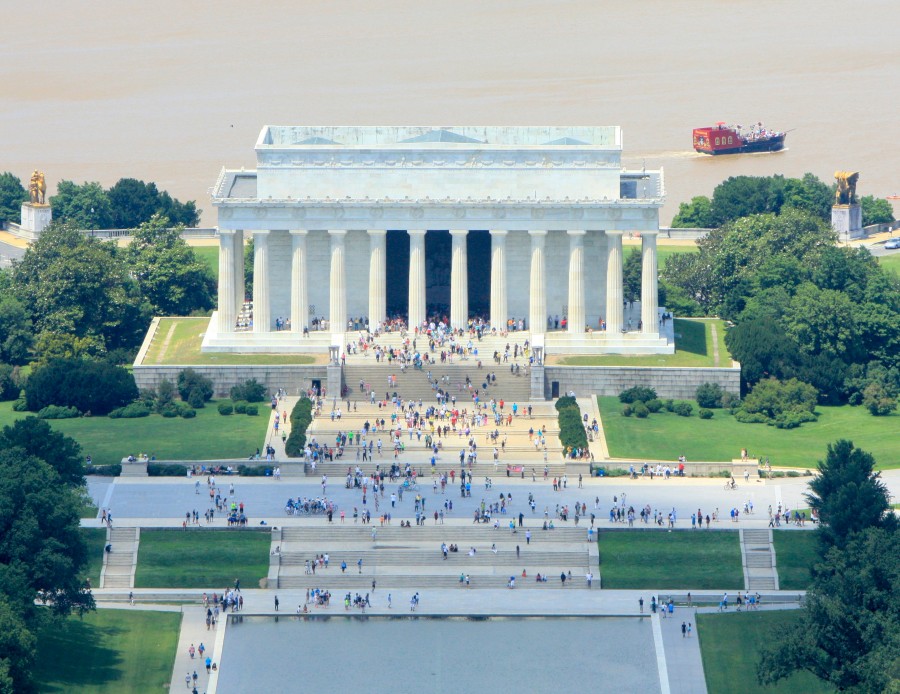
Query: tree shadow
point(81, 656)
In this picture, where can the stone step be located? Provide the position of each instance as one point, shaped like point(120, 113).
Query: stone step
point(388, 557)
point(759, 561)
point(460, 534)
point(760, 583)
point(386, 583)
point(760, 537)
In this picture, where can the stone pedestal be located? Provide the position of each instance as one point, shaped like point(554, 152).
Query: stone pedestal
point(35, 218)
point(846, 220)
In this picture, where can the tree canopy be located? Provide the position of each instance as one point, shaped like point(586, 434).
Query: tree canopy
point(169, 274)
point(12, 195)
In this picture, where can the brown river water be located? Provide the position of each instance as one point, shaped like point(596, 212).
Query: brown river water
point(171, 91)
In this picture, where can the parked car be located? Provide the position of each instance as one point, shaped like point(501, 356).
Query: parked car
point(892, 243)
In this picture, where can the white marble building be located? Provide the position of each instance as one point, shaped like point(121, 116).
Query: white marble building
point(352, 223)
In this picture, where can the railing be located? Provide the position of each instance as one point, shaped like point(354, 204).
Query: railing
point(189, 233)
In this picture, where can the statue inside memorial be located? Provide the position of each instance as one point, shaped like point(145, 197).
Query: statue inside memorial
point(846, 187)
point(37, 188)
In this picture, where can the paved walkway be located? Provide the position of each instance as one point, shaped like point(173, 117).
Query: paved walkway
point(193, 632)
point(684, 664)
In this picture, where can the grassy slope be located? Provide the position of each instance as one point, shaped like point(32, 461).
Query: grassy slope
point(689, 559)
point(210, 256)
point(892, 262)
point(209, 559)
point(208, 436)
point(795, 553)
point(183, 347)
point(693, 347)
point(665, 436)
point(730, 646)
point(108, 651)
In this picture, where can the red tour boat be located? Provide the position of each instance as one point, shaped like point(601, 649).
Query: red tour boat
point(734, 139)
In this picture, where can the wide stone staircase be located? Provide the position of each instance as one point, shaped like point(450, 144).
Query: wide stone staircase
point(119, 563)
point(520, 450)
point(411, 558)
point(759, 560)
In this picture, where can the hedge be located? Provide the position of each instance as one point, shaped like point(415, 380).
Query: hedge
point(166, 470)
point(571, 428)
point(103, 470)
point(301, 418)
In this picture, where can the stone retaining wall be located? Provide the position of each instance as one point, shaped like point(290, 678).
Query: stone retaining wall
point(294, 378)
point(668, 382)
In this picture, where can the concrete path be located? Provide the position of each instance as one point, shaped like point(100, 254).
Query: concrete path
point(684, 664)
point(193, 632)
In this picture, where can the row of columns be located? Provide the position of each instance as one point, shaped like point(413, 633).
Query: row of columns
point(231, 292)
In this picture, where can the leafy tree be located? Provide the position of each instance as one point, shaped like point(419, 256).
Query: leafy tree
point(249, 391)
point(845, 270)
point(248, 263)
point(878, 401)
point(848, 494)
point(849, 631)
point(12, 195)
point(821, 321)
point(19, 648)
point(631, 275)
point(37, 438)
point(85, 206)
point(9, 385)
point(135, 202)
point(170, 276)
point(742, 196)
point(788, 403)
point(809, 194)
point(875, 210)
point(709, 395)
point(15, 330)
point(78, 286)
point(696, 214)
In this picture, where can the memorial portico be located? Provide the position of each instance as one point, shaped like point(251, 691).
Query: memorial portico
point(355, 226)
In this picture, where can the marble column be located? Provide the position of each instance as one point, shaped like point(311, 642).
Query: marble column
point(377, 277)
point(499, 311)
point(240, 275)
point(416, 277)
point(649, 284)
point(576, 319)
point(262, 311)
point(227, 312)
point(459, 280)
point(537, 313)
point(299, 286)
point(337, 294)
point(614, 312)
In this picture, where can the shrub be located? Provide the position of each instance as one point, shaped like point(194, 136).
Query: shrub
point(188, 413)
point(750, 417)
point(254, 471)
point(169, 411)
point(165, 393)
point(627, 410)
point(669, 405)
point(196, 399)
point(89, 386)
point(637, 394)
point(103, 470)
point(571, 428)
point(654, 405)
point(225, 408)
point(878, 400)
point(709, 395)
point(132, 411)
point(684, 409)
point(784, 404)
point(251, 391)
point(729, 400)
point(855, 399)
point(58, 412)
point(240, 407)
point(641, 411)
point(251, 410)
point(792, 473)
point(705, 414)
point(166, 470)
point(20, 405)
point(190, 381)
point(564, 402)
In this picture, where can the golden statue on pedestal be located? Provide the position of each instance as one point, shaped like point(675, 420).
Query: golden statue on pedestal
point(37, 188)
point(846, 187)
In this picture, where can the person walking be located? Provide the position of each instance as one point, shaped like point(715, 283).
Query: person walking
point(276, 603)
point(641, 604)
point(683, 630)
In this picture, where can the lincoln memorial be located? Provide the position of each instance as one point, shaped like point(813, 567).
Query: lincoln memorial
point(494, 228)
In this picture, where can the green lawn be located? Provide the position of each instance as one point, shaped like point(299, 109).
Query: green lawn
point(891, 262)
point(665, 436)
point(730, 645)
point(209, 559)
point(181, 346)
point(108, 651)
point(693, 347)
point(683, 559)
point(795, 553)
point(210, 256)
point(95, 539)
point(663, 251)
point(208, 436)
